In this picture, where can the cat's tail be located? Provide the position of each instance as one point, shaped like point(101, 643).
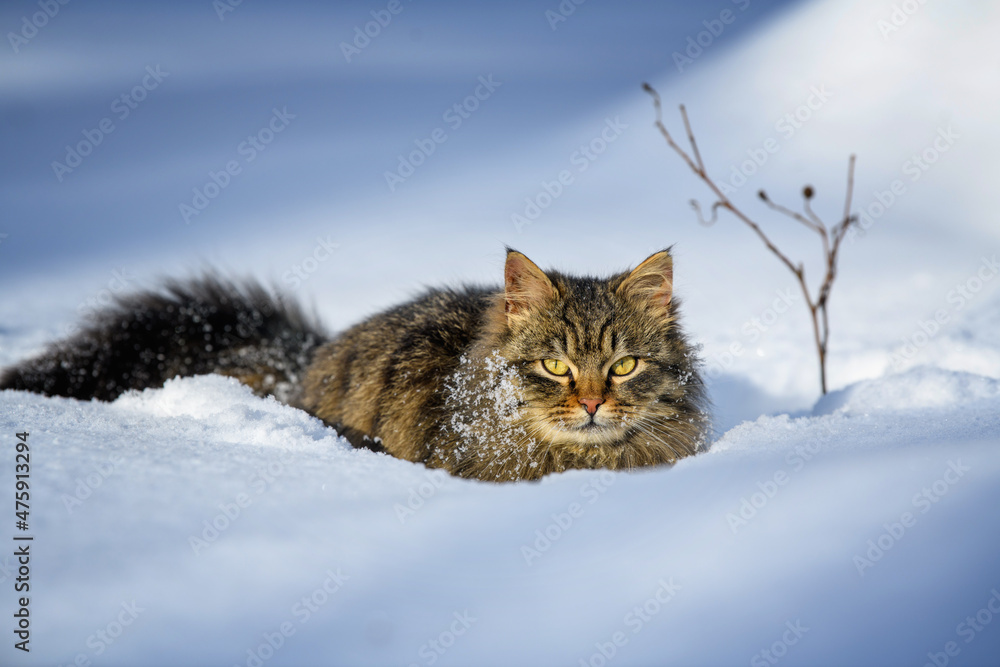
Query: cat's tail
point(207, 325)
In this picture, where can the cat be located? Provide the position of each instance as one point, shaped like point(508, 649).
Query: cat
point(548, 373)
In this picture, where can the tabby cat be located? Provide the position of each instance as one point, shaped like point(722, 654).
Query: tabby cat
point(549, 373)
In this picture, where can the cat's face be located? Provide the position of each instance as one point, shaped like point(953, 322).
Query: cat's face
point(601, 363)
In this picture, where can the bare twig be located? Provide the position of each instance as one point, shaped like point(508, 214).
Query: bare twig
point(722, 201)
point(694, 144)
point(830, 237)
point(715, 213)
point(816, 226)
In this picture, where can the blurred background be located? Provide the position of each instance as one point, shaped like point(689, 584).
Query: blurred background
point(353, 152)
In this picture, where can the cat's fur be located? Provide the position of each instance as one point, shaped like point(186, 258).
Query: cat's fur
point(453, 379)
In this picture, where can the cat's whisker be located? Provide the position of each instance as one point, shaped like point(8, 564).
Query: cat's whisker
point(685, 444)
point(661, 436)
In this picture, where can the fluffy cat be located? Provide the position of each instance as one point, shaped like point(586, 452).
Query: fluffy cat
point(550, 372)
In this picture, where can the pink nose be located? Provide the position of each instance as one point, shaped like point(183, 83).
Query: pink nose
point(591, 404)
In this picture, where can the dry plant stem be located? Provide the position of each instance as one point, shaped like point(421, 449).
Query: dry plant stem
point(831, 237)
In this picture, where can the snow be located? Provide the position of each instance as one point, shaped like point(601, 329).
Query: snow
point(762, 530)
point(196, 523)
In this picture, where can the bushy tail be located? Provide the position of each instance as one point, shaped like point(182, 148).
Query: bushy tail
point(208, 325)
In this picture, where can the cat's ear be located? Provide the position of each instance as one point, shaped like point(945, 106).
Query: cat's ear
point(525, 286)
point(652, 282)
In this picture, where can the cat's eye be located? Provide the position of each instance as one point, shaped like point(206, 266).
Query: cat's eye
point(555, 366)
point(623, 366)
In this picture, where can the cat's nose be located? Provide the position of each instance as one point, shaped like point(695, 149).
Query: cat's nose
point(591, 404)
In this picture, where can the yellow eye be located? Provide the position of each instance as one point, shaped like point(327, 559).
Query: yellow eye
point(623, 366)
point(555, 366)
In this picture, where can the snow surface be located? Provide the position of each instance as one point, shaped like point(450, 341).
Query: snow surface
point(413, 547)
point(860, 528)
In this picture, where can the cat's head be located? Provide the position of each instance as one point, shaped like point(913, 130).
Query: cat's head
point(602, 363)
